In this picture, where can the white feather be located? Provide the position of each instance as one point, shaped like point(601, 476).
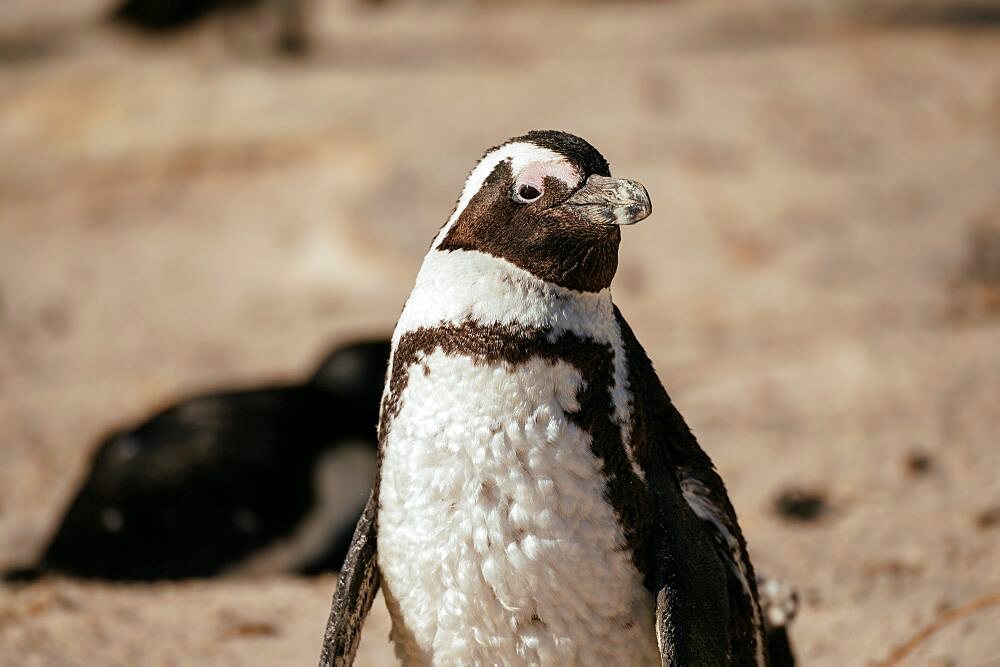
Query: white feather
point(496, 543)
point(457, 286)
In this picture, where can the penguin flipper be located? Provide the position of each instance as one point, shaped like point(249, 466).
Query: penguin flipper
point(356, 587)
point(689, 582)
point(677, 467)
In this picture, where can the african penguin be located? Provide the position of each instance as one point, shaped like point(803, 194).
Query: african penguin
point(539, 499)
point(264, 479)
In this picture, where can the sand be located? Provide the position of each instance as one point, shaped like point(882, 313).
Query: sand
point(177, 215)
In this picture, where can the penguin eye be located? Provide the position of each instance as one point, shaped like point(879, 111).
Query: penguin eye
point(526, 193)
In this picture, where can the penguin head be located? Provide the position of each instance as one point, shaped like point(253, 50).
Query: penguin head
point(546, 202)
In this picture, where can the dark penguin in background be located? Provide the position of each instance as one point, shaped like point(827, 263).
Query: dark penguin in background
point(167, 16)
point(539, 499)
point(263, 479)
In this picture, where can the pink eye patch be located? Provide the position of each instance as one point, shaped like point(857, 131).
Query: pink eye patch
point(530, 182)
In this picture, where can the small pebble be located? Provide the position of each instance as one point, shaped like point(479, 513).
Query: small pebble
point(801, 505)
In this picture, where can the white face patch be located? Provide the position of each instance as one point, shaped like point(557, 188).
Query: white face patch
point(522, 155)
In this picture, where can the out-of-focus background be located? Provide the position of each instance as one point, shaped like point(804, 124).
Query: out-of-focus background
point(819, 285)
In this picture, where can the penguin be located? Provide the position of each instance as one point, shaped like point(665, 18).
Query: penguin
point(538, 497)
point(167, 16)
point(252, 480)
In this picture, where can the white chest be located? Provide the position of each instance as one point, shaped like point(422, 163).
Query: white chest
point(495, 542)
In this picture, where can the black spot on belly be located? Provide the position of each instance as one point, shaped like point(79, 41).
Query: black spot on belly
point(515, 345)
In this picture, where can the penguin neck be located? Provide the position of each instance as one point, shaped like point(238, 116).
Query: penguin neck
point(462, 285)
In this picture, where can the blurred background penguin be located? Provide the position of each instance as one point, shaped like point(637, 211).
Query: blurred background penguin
point(287, 18)
point(267, 479)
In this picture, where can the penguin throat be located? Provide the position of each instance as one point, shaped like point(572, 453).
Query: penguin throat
point(458, 286)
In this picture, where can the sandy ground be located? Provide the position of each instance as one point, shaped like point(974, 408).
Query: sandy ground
point(178, 215)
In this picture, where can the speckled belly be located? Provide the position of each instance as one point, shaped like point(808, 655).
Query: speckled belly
point(495, 543)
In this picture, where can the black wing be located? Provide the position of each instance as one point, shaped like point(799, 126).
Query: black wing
point(707, 607)
point(356, 588)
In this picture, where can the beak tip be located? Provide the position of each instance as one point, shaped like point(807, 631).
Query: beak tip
point(636, 211)
point(619, 201)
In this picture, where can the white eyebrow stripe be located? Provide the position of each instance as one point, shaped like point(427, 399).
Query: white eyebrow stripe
point(520, 154)
point(536, 173)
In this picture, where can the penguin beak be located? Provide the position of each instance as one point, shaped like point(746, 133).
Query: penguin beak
point(610, 201)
